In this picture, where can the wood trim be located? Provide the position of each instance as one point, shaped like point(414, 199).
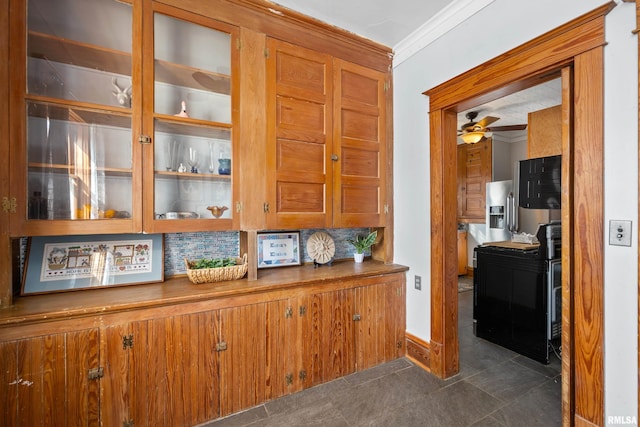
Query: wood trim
point(444, 264)
point(5, 241)
point(578, 43)
point(287, 25)
point(418, 351)
point(568, 375)
point(539, 57)
point(638, 39)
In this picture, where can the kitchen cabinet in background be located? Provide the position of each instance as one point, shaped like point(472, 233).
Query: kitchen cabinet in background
point(474, 171)
point(544, 132)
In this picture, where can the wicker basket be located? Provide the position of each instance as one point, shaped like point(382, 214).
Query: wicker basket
point(210, 275)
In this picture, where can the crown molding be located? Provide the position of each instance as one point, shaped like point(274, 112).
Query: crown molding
point(448, 18)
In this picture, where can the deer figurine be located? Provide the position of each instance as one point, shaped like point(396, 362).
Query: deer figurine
point(123, 96)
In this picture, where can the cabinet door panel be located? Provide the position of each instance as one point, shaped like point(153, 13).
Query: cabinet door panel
point(359, 113)
point(242, 367)
point(48, 380)
point(175, 370)
point(337, 341)
point(299, 172)
point(380, 331)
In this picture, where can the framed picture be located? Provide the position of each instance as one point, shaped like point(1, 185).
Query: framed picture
point(278, 249)
point(60, 263)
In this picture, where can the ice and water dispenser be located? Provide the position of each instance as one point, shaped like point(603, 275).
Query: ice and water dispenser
point(497, 217)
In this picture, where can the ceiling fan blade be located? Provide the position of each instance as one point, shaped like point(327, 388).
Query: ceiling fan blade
point(506, 128)
point(486, 121)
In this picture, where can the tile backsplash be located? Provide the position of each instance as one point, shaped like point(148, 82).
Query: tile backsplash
point(178, 246)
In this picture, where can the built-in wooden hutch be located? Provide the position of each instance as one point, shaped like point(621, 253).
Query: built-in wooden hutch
point(119, 114)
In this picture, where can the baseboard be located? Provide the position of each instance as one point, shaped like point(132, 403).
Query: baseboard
point(469, 271)
point(418, 351)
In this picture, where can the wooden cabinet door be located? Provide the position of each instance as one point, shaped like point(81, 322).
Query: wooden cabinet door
point(380, 329)
point(242, 363)
point(359, 146)
point(46, 380)
point(164, 372)
point(299, 137)
point(474, 171)
point(544, 132)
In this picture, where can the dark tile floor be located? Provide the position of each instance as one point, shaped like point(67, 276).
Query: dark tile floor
point(495, 387)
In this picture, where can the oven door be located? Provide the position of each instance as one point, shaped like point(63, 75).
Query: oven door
point(554, 299)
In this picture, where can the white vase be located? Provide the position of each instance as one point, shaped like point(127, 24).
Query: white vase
point(358, 257)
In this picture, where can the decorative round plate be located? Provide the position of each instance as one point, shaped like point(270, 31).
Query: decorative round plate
point(320, 247)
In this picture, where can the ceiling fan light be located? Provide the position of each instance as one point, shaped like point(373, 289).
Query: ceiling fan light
point(472, 137)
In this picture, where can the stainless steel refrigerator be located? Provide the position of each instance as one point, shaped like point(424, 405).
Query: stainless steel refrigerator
point(503, 215)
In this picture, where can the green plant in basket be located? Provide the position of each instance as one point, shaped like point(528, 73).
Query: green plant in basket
point(213, 263)
point(361, 244)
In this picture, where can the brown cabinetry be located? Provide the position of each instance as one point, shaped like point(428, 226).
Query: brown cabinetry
point(544, 132)
point(462, 253)
point(326, 149)
point(51, 379)
point(474, 171)
point(103, 142)
point(199, 360)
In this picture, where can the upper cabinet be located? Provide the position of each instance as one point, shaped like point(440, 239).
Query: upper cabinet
point(326, 141)
point(474, 171)
point(544, 132)
point(128, 119)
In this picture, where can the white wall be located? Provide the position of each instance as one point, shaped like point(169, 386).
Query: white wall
point(494, 30)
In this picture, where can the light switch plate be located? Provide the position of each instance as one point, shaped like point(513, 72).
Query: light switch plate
point(620, 232)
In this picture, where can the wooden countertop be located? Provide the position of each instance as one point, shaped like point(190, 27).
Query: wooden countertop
point(179, 290)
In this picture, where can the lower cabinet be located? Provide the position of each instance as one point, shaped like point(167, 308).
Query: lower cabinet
point(51, 380)
point(156, 368)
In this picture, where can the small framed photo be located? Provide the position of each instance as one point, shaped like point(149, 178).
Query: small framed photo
point(278, 249)
point(63, 263)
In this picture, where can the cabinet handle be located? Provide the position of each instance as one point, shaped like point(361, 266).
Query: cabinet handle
point(144, 139)
point(356, 316)
point(334, 157)
point(221, 346)
point(265, 207)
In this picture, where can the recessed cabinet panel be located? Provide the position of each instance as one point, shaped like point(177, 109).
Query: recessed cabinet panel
point(302, 73)
point(300, 156)
point(300, 119)
point(359, 88)
point(294, 197)
point(359, 199)
point(360, 126)
point(362, 163)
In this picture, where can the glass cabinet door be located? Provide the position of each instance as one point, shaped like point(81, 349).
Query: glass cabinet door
point(194, 159)
point(78, 112)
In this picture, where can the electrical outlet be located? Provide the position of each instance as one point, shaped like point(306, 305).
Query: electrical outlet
point(418, 282)
point(620, 233)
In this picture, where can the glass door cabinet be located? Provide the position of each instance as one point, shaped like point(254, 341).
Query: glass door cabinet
point(126, 125)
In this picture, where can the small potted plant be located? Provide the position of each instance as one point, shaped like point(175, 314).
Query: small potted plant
point(361, 244)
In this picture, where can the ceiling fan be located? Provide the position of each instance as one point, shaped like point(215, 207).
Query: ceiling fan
point(473, 132)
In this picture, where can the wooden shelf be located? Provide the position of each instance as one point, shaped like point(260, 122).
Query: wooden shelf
point(70, 169)
point(67, 51)
point(72, 52)
point(78, 112)
point(182, 75)
point(192, 127)
point(193, 176)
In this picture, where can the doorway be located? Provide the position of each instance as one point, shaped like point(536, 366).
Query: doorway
point(576, 51)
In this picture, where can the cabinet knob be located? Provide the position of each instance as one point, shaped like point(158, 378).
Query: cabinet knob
point(334, 157)
point(356, 317)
